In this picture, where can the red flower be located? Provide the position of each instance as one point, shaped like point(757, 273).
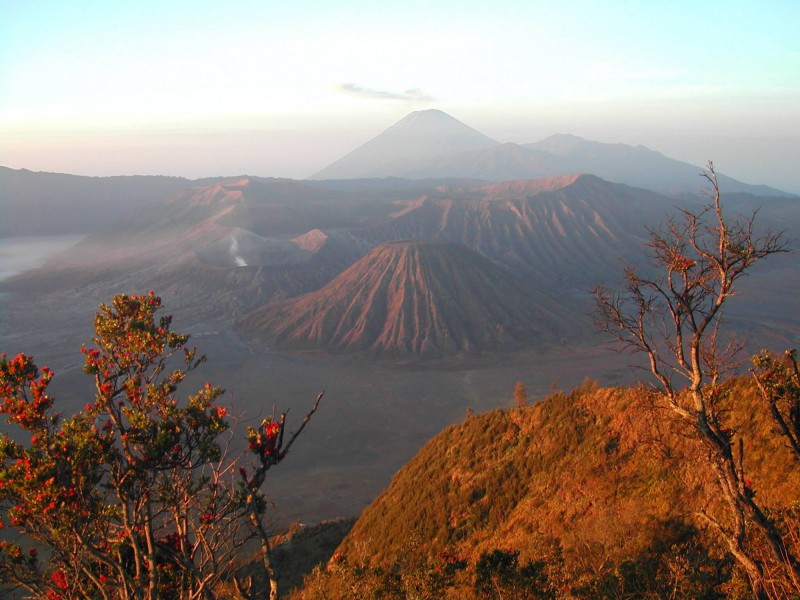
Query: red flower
point(60, 580)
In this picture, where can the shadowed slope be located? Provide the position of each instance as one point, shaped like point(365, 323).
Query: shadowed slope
point(496, 163)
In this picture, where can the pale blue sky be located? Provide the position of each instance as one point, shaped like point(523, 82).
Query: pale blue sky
point(283, 88)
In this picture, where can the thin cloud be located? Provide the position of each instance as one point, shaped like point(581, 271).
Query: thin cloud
point(410, 95)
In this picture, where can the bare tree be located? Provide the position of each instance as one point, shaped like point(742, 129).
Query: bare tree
point(267, 444)
point(673, 318)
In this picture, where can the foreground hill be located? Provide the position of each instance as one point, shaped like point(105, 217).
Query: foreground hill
point(414, 298)
point(582, 482)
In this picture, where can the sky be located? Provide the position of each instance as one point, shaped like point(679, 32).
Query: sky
point(205, 88)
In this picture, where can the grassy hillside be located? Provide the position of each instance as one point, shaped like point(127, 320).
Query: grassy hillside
point(592, 486)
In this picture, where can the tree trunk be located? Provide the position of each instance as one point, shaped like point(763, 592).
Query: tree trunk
point(269, 568)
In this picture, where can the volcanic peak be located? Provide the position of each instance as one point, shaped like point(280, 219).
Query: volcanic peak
point(433, 120)
point(411, 298)
point(410, 143)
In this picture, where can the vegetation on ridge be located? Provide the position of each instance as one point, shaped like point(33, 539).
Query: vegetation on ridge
point(673, 318)
point(587, 483)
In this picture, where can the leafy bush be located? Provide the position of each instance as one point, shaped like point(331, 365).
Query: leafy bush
point(130, 497)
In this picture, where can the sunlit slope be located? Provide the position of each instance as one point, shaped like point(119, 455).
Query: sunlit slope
point(590, 476)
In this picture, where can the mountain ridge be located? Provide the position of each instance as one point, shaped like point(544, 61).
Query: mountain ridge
point(391, 155)
point(227, 248)
point(588, 483)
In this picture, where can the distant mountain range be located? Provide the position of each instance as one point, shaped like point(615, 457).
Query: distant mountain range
point(444, 261)
point(325, 264)
point(431, 144)
point(53, 203)
point(425, 148)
